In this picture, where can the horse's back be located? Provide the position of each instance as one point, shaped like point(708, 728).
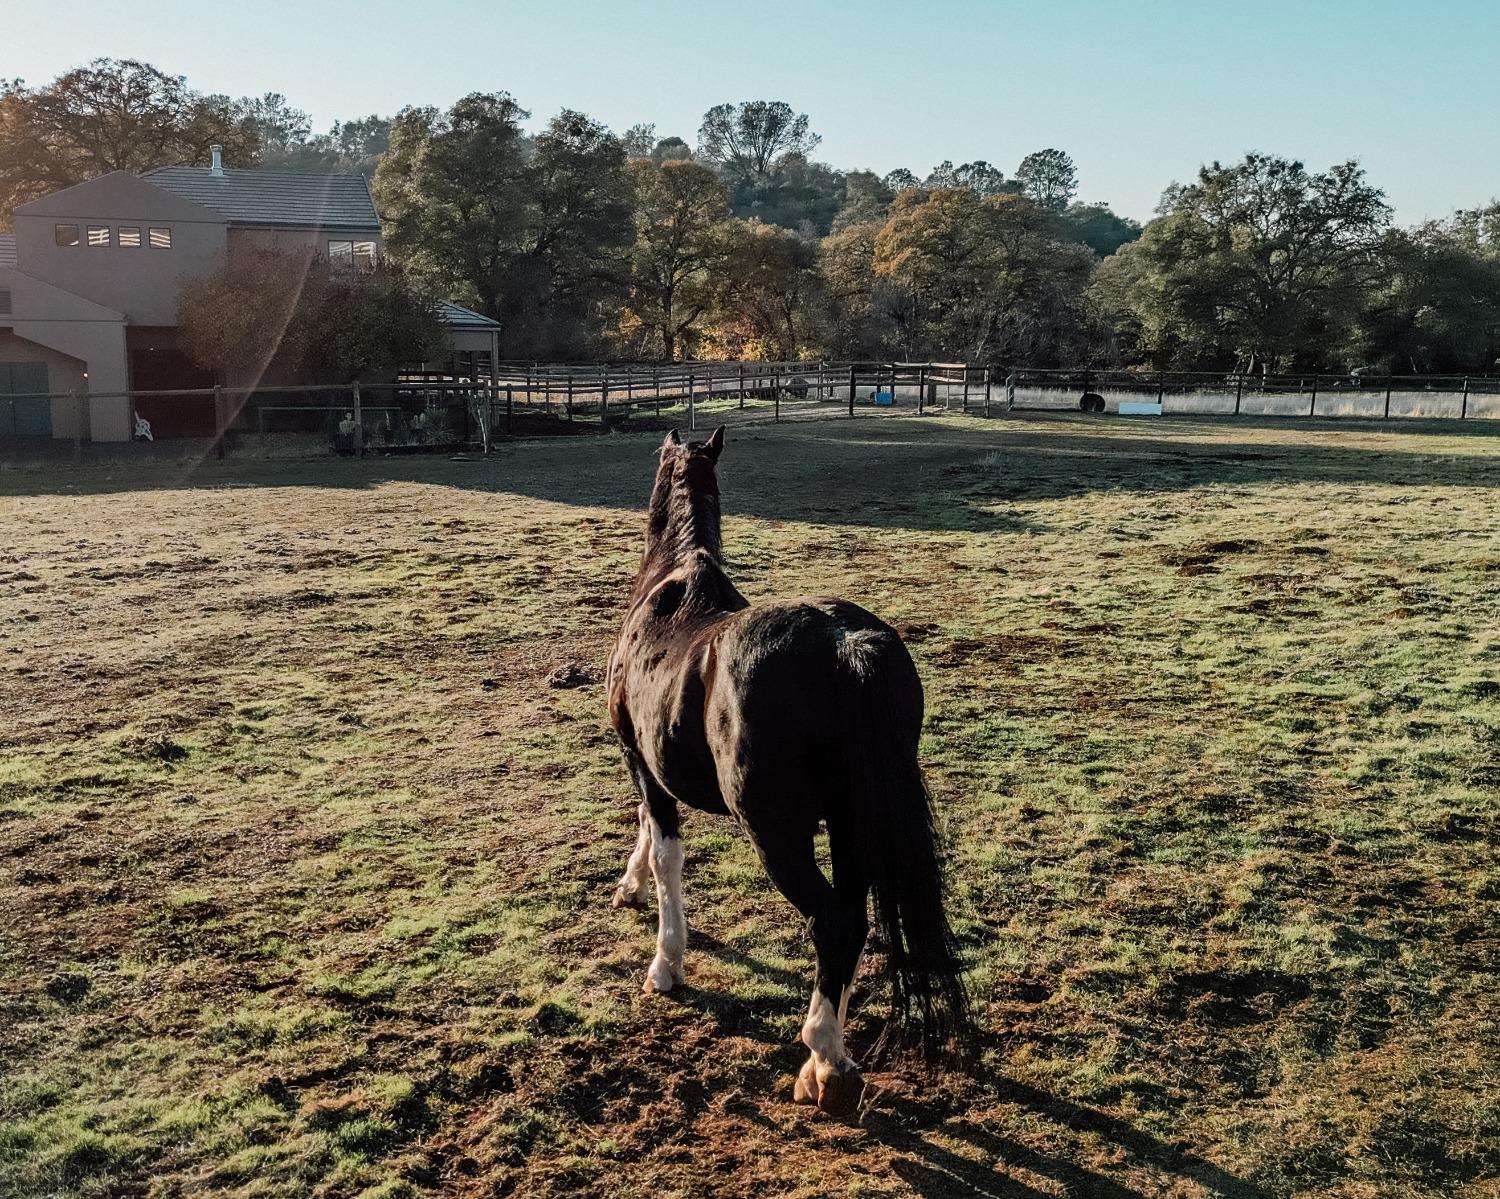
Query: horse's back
point(796, 682)
point(823, 642)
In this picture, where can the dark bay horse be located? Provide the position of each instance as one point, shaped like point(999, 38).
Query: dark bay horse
point(784, 716)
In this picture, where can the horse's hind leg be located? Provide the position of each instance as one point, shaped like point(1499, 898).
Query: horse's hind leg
point(838, 923)
point(631, 893)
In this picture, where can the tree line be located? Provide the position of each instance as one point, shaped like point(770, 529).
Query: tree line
point(584, 243)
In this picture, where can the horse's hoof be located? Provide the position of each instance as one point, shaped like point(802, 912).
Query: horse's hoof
point(839, 1091)
point(805, 1090)
point(661, 978)
point(627, 899)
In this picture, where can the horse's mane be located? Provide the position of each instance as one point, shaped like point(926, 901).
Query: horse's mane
point(683, 519)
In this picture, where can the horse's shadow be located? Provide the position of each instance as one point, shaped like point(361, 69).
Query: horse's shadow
point(934, 1170)
point(930, 1167)
point(733, 1015)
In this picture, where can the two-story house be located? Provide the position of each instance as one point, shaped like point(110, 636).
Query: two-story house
point(89, 284)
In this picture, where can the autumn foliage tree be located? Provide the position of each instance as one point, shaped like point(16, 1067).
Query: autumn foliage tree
point(681, 217)
point(769, 298)
point(582, 243)
point(111, 115)
point(986, 276)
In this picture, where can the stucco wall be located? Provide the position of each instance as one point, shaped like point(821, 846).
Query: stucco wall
point(47, 317)
point(64, 374)
point(139, 281)
point(471, 339)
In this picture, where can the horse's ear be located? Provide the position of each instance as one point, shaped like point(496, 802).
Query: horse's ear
point(672, 439)
point(715, 443)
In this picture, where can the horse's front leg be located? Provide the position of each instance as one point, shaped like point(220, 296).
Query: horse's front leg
point(631, 893)
point(666, 867)
point(658, 848)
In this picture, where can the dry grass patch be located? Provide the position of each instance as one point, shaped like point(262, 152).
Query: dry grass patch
point(309, 816)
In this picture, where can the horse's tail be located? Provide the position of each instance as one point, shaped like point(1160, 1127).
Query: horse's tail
point(902, 853)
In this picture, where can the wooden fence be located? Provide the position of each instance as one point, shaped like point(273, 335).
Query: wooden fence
point(427, 408)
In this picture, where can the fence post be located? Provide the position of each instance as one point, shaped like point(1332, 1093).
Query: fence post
point(1387, 397)
point(219, 422)
point(742, 386)
point(692, 406)
point(1239, 391)
point(776, 401)
point(1161, 389)
point(1312, 407)
point(1463, 410)
point(569, 400)
point(921, 390)
point(1010, 392)
point(510, 410)
point(989, 382)
point(359, 420)
point(604, 403)
point(81, 416)
point(78, 425)
point(851, 390)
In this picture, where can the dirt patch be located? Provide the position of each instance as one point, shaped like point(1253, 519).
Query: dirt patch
point(574, 674)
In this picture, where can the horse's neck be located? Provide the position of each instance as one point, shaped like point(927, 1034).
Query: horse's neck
point(697, 567)
point(685, 523)
point(683, 526)
point(698, 581)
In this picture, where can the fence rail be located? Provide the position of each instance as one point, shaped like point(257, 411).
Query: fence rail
point(432, 409)
point(1308, 394)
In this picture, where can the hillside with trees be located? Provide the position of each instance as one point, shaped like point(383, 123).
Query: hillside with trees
point(583, 243)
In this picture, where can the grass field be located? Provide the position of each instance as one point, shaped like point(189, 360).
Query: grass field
point(305, 865)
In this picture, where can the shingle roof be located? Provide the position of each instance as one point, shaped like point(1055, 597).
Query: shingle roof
point(456, 316)
point(7, 249)
point(250, 197)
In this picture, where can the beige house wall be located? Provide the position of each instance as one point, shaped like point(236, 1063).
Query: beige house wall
point(64, 374)
point(138, 281)
point(482, 340)
point(46, 318)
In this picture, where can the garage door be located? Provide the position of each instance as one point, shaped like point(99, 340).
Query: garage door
point(25, 410)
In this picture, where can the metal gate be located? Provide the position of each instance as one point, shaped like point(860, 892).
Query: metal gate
point(25, 408)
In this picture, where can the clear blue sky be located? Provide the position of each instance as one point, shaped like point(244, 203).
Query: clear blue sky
point(1139, 93)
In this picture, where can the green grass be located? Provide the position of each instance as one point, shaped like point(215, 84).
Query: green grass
point(305, 868)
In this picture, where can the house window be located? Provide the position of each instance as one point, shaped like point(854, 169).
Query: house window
point(130, 235)
point(161, 239)
point(66, 235)
point(98, 235)
point(4, 302)
point(359, 254)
